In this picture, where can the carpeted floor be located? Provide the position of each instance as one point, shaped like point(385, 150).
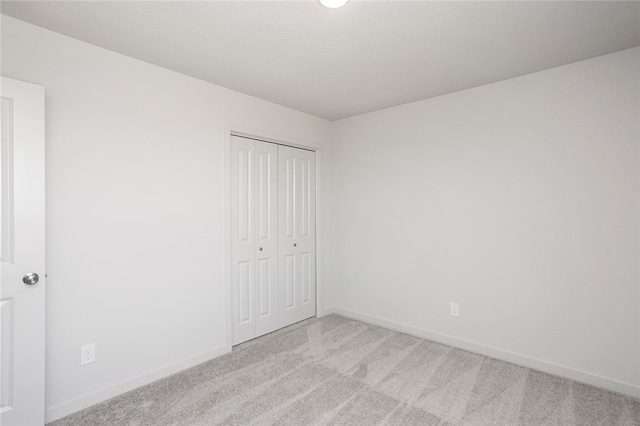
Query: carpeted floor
point(336, 371)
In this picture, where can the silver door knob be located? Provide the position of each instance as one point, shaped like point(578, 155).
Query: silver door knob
point(295, 245)
point(260, 249)
point(31, 278)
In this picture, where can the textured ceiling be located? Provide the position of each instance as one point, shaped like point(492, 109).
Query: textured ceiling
point(335, 63)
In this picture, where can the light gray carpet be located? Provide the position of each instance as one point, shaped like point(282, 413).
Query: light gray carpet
point(336, 371)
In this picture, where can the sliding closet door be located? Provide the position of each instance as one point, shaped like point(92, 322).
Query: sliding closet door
point(297, 242)
point(254, 248)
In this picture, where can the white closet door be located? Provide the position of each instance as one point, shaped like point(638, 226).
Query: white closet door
point(297, 253)
point(254, 229)
point(266, 237)
point(242, 240)
point(307, 240)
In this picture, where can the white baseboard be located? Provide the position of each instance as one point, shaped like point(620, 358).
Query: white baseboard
point(61, 410)
point(501, 354)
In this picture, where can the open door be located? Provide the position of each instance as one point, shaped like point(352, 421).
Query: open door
point(22, 290)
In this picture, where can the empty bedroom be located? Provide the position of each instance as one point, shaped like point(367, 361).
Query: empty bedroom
point(320, 212)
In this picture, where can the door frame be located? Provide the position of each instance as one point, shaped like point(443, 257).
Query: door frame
point(238, 130)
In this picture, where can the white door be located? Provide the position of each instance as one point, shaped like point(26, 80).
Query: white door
point(22, 254)
point(266, 237)
point(297, 234)
point(254, 248)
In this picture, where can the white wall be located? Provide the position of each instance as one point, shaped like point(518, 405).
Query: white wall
point(135, 210)
point(518, 200)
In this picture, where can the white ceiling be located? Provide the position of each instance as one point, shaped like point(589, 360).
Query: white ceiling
point(336, 63)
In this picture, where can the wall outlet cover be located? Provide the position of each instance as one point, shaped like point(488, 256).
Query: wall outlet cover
point(454, 309)
point(87, 354)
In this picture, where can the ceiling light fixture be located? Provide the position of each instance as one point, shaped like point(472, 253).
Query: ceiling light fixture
point(333, 4)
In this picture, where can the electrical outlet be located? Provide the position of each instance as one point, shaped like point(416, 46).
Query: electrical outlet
point(87, 354)
point(454, 309)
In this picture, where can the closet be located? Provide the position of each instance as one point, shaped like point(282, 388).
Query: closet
point(273, 236)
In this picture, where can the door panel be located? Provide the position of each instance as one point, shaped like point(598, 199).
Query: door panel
point(264, 288)
point(266, 247)
point(22, 307)
point(6, 353)
point(245, 205)
point(264, 190)
point(289, 208)
point(244, 293)
point(290, 196)
point(254, 204)
point(290, 273)
point(307, 239)
point(305, 193)
point(297, 238)
point(305, 277)
point(242, 236)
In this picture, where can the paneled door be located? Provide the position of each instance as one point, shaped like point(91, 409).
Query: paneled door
point(22, 296)
point(273, 236)
point(297, 234)
point(254, 233)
